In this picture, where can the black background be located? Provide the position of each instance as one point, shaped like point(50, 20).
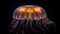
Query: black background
point(8, 6)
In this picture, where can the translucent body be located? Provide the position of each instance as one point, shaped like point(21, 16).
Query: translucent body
point(30, 17)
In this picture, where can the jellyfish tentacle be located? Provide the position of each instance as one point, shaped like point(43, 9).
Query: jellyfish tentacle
point(19, 26)
point(12, 28)
point(31, 26)
point(12, 23)
point(15, 24)
point(26, 24)
point(39, 25)
point(45, 22)
point(20, 23)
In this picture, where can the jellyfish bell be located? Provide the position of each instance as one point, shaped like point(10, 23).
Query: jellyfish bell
point(29, 12)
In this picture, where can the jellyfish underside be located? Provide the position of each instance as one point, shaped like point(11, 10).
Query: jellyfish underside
point(31, 19)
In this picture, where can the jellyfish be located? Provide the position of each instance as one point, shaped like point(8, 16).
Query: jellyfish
point(30, 18)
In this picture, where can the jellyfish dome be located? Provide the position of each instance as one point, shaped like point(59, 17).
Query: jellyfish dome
point(28, 19)
point(29, 12)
